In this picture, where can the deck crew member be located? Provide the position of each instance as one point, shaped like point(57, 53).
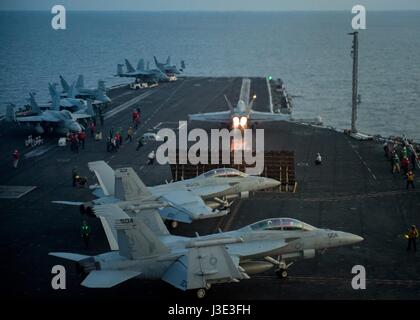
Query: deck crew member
point(318, 159)
point(412, 236)
point(74, 175)
point(130, 133)
point(85, 233)
point(139, 143)
point(16, 157)
point(410, 179)
point(151, 157)
point(82, 138)
point(395, 163)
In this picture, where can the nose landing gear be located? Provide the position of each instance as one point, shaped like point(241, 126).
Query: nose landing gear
point(281, 266)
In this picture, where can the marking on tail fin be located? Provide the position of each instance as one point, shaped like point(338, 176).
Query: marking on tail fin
point(128, 185)
point(136, 240)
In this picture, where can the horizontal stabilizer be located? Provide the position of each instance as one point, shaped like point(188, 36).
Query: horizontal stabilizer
point(108, 278)
point(211, 264)
point(177, 274)
point(69, 256)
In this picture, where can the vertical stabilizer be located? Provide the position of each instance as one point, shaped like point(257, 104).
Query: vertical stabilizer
point(136, 240)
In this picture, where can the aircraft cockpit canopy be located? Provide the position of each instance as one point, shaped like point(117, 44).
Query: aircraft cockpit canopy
point(67, 114)
point(224, 172)
point(281, 224)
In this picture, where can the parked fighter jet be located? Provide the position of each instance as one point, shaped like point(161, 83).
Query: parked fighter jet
point(146, 75)
point(59, 103)
point(206, 196)
point(241, 116)
point(167, 68)
point(148, 251)
point(60, 121)
point(79, 90)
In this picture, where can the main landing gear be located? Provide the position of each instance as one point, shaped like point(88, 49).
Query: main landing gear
point(201, 293)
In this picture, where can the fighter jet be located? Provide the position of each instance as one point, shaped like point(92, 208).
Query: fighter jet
point(207, 196)
point(147, 251)
point(146, 75)
point(59, 103)
point(62, 121)
point(79, 91)
point(242, 116)
point(167, 68)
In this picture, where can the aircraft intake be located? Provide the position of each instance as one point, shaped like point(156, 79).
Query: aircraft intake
point(308, 254)
point(244, 195)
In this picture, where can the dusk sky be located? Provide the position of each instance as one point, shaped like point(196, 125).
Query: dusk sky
point(210, 5)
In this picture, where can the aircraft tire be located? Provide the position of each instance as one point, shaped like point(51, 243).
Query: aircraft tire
point(282, 273)
point(201, 293)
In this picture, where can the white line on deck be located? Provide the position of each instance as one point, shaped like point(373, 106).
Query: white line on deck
point(269, 94)
point(361, 159)
point(126, 104)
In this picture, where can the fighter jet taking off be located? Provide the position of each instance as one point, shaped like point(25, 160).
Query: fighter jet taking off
point(148, 251)
point(206, 196)
point(242, 116)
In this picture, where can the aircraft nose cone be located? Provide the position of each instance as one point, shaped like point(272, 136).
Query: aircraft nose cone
point(271, 183)
point(350, 238)
point(75, 127)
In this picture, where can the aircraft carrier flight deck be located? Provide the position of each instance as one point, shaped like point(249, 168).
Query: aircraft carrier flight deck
point(353, 191)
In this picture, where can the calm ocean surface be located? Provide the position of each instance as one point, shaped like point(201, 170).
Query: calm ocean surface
point(310, 51)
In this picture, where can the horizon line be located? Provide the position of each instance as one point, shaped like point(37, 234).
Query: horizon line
point(208, 11)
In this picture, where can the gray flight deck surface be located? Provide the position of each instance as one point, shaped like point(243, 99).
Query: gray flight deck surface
point(352, 191)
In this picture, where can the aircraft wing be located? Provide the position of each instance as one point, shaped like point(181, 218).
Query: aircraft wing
point(40, 118)
point(108, 213)
point(222, 116)
point(204, 265)
point(78, 116)
point(267, 116)
point(189, 207)
point(105, 175)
